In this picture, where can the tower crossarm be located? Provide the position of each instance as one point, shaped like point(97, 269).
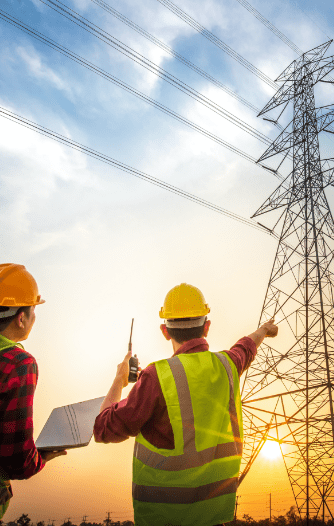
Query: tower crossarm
point(311, 56)
point(287, 139)
point(287, 91)
point(280, 197)
point(325, 118)
point(288, 192)
point(282, 96)
point(327, 172)
point(327, 65)
point(293, 78)
point(282, 143)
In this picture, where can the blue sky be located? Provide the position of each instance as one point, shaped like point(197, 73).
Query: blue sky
point(105, 246)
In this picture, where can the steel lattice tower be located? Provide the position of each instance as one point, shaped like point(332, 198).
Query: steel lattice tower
point(288, 391)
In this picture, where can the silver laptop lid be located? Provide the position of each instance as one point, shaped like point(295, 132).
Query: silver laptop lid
point(69, 426)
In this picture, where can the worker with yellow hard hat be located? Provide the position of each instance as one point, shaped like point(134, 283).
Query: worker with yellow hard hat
point(185, 412)
point(19, 458)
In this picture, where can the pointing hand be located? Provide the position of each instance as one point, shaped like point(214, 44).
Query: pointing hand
point(271, 328)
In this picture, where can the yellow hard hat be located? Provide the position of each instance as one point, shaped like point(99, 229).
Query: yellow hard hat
point(184, 301)
point(17, 287)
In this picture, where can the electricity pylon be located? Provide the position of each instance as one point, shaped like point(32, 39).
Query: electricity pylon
point(288, 391)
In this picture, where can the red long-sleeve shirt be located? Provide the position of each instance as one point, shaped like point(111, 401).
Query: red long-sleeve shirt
point(145, 410)
point(19, 458)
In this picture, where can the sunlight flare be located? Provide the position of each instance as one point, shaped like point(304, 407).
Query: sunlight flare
point(271, 450)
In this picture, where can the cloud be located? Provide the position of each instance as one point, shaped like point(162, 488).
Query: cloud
point(40, 70)
point(62, 240)
point(145, 16)
point(35, 171)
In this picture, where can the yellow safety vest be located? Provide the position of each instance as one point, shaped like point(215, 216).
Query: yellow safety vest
point(195, 483)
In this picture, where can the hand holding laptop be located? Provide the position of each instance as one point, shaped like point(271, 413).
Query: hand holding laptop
point(50, 455)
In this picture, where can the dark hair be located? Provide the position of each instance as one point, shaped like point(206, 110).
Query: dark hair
point(184, 335)
point(4, 322)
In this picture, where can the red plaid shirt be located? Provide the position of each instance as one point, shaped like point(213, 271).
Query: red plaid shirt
point(19, 458)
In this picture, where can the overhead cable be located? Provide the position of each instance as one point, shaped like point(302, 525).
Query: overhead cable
point(76, 18)
point(312, 20)
point(278, 33)
point(219, 43)
point(4, 112)
point(270, 26)
point(174, 53)
point(95, 69)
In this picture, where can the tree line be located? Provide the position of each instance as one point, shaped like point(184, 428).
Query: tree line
point(291, 518)
point(24, 520)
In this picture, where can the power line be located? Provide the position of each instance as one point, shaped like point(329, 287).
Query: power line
point(217, 42)
point(276, 31)
point(125, 168)
point(85, 24)
point(312, 20)
point(92, 67)
point(270, 26)
point(174, 53)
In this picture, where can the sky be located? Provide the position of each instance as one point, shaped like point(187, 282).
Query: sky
point(105, 246)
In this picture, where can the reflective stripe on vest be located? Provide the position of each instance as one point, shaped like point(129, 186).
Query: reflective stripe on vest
point(191, 458)
point(184, 495)
point(232, 408)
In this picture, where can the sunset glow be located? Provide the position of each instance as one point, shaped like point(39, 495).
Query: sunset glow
point(271, 450)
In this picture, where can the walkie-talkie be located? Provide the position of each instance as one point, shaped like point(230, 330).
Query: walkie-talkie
point(133, 362)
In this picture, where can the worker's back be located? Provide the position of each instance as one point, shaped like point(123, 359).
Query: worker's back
point(194, 483)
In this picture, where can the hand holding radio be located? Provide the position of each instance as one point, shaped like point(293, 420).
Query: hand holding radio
point(129, 369)
point(133, 363)
point(124, 371)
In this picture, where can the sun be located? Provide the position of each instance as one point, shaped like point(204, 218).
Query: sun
point(271, 450)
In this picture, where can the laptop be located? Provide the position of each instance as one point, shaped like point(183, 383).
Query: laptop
point(69, 426)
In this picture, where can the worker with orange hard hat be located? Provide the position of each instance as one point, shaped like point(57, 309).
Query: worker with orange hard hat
point(19, 458)
point(185, 412)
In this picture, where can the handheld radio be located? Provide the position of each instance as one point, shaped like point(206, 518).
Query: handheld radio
point(133, 362)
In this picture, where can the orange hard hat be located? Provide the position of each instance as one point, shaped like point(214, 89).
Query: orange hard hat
point(17, 287)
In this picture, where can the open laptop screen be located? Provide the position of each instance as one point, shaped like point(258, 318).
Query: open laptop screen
point(69, 426)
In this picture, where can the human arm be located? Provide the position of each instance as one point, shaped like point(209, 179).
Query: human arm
point(126, 418)
point(121, 380)
point(267, 329)
point(244, 351)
